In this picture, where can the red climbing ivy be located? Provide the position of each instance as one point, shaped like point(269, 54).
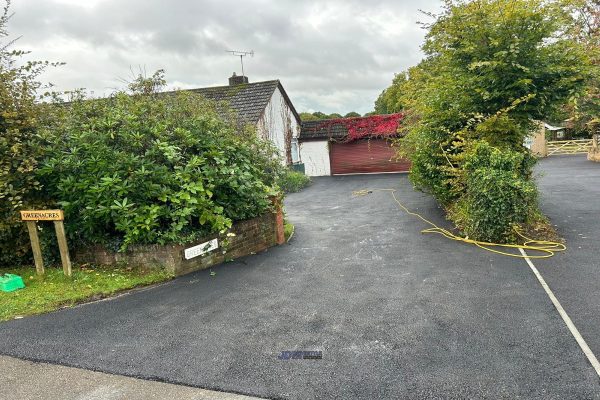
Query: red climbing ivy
point(362, 127)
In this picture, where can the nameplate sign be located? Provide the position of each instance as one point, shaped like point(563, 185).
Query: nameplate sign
point(200, 249)
point(42, 215)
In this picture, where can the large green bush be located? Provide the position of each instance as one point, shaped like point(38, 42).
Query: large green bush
point(138, 167)
point(150, 168)
point(292, 181)
point(492, 68)
point(497, 195)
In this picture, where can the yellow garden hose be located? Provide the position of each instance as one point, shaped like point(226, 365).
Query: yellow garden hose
point(547, 248)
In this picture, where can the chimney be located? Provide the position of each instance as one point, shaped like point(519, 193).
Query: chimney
point(237, 80)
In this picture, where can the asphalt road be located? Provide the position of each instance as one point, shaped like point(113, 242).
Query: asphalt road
point(570, 187)
point(396, 314)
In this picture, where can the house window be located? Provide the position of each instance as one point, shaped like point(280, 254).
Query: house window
point(295, 152)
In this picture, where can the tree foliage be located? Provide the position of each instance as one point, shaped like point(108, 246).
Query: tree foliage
point(318, 115)
point(390, 99)
point(584, 110)
point(492, 67)
point(20, 146)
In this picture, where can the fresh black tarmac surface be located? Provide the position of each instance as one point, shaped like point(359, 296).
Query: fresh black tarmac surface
point(570, 187)
point(397, 314)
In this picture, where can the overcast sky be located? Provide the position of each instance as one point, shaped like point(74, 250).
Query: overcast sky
point(332, 56)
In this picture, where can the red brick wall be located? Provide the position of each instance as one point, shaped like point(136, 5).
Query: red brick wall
point(251, 236)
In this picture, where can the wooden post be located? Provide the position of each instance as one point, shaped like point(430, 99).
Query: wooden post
point(31, 217)
point(62, 246)
point(35, 247)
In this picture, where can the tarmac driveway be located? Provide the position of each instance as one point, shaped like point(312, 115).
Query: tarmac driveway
point(396, 314)
point(570, 187)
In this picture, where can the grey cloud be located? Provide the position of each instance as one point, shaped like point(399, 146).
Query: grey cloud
point(334, 56)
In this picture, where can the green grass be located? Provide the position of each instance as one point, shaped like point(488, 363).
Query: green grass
point(54, 290)
point(288, 230)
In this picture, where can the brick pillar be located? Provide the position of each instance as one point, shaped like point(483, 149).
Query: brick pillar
point(539, 145)
point(278, 219)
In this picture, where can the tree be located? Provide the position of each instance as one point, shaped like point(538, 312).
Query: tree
point(306, 116)
point(390, 99)
point(492, 67)
point(584, 110)
point(20, 146)
point(318, 115)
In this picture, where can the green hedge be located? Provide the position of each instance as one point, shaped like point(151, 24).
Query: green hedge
point(138, 167)
point(497, 193)
point(148, 168)
point(293, 181)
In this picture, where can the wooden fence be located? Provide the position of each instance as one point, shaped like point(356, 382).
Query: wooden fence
point(568, 146)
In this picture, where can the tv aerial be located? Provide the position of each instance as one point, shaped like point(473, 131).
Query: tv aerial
point(241, 55)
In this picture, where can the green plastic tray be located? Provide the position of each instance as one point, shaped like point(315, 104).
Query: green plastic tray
point(11, 282)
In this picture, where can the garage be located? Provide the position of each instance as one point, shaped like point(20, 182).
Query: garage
point(351, 145)
point(365, 156)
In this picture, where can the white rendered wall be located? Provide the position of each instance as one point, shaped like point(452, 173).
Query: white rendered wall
point(278, 124)
point(315, 156)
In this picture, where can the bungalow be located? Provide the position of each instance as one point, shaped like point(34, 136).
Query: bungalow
point(351, 145)
point(264, 105)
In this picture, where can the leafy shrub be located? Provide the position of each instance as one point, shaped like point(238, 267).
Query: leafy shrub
point(137, 167)
point(486, 78)
point(497, 194)
point(20, 146)
point(149, 168)
point(293, 181)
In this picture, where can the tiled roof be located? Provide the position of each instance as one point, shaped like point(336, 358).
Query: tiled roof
point(319, 130)
point(248, 99)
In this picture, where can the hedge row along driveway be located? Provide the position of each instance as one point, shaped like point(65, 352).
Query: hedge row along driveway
point(396, 314)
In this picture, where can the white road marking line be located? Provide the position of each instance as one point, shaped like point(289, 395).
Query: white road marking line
point(572, 328)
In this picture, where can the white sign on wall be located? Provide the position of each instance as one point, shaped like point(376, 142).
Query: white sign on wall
point(200, 249)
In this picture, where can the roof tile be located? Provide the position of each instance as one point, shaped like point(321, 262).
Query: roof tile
point(248, 99)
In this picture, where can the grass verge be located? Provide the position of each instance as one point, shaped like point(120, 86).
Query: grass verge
point(54, 290)
point(288, 230)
